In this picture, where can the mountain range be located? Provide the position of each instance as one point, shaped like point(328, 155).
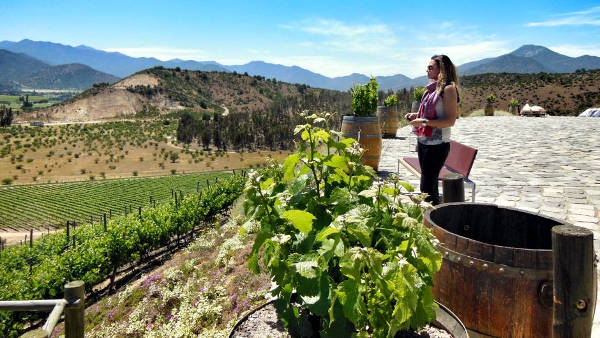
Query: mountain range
point(18, 70)
point(526, 59)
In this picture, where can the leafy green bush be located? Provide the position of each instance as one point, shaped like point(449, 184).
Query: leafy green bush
point(364, 98)
point(514, 103)
point(418, 93)
point(391, 100)
point(348, 249)
point(491, 98)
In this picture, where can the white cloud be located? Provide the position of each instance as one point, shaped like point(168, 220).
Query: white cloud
point(576, 50)
point(588, 17)
point(161, 53)
point(336, 36)
point(338, 28)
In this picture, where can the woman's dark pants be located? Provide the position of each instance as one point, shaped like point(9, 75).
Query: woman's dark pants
point(431, 159)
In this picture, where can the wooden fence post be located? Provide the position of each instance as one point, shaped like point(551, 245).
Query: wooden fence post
point(453, 188)
point(74, 324)
point(31, 238)
point(105, 228)
point(575, 281)
point(140, 212)
point(110, 210)
point(68, 230)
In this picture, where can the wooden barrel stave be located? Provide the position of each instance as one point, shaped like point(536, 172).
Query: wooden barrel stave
point(367, 132)
point(388, 120)
point(493, 288)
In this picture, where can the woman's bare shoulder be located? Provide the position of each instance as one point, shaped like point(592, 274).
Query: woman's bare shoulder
point(450, 88)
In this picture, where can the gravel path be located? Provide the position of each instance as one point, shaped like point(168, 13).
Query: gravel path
point(549, 165)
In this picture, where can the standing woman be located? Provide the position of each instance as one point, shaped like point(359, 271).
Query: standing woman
point(437, 113)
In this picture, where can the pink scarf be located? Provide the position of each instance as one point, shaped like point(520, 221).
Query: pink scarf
point(427, 109)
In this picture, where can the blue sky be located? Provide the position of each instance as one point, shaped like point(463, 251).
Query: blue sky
point(333, 38)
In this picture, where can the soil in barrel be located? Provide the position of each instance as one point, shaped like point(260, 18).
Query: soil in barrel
point(265, 323)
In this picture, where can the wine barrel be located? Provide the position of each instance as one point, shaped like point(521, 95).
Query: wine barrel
point(496, 273)
point(364, 129)
point(388, 120)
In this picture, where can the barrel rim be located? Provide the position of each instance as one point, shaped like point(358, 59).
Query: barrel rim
point(427, 216)
point(359, 118)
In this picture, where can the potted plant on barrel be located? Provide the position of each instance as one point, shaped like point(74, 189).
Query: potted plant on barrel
point(489, 107)
point(418, 93)
point(513, 107)
point(388, 116)
point(347, 252)
point(363, 125)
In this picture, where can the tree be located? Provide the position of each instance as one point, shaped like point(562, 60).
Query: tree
point(173, 156)
point(186, 128)
point(6, 116)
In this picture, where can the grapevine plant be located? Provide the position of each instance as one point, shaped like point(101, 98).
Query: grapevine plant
point(347, 252)
point(391, 101)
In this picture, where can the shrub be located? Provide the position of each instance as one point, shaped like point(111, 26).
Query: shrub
point(391, 101)
point(135, 173)
point(173, 171)
point(7, 181)
point(491, 98)
point(351, 248)
point(418, 93)
point(364, 98)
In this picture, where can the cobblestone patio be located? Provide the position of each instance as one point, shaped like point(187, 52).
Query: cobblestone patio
point(547, 165)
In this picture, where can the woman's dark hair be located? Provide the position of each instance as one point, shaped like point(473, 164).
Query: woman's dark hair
point(447, 75)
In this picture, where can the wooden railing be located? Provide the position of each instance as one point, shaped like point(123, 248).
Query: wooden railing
point(73, 306)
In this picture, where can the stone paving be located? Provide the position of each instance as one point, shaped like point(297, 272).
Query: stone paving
point(547, 165)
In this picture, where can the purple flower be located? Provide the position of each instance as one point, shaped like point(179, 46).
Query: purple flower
point(168, 317)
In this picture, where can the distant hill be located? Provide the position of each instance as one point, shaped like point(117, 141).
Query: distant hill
point(530, 59)
point(20, 70)
point(559, 93)
point(14, 65)
point(160, 90)
point(295, 74)
point(72, 75)
point(109, 62)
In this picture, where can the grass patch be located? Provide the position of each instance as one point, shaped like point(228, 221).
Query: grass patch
point(480, 112)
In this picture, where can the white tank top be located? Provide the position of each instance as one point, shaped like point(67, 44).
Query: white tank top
point(438, 135)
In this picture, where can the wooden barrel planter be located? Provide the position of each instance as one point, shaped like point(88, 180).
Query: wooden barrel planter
point(497, 269)
point(388, 120)
point(364, 129)
point(489, 109)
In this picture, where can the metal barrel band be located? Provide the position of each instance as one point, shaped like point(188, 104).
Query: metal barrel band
point(492, 267)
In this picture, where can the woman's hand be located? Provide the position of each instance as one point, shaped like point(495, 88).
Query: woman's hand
point(417, 122)
point(410, 116)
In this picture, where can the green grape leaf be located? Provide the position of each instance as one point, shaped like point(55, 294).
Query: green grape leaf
point(307, 269)
point(266, 184)
point(323, 135)
point(288, 167)
point(407, 186)
point(348, 294)
point(337, 161)
point(322, 235)
point(300, 219)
